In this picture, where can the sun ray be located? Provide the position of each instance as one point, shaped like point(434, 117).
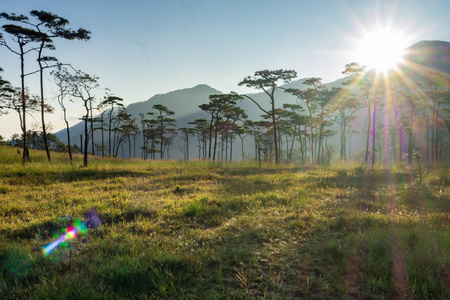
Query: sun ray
point(381, 49)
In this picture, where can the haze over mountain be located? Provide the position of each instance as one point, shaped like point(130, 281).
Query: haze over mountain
point(185, 103)
point(427, 56)
point(421, 57)
point(182, 101)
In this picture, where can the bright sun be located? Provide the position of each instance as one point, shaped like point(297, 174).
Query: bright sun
point(381, 49)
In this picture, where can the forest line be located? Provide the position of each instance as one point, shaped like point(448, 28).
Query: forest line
point(415, 115)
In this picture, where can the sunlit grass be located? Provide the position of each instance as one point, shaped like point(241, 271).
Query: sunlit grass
point(212, 231)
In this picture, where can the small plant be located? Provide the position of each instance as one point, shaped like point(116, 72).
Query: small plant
point(418, 158)
point(308, 284)
point(195, 208)
point(178, 191)
point(359, 171)
point(243, 279)
point(341, 173)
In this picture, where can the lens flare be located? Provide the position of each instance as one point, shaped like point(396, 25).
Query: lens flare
point(69, 233)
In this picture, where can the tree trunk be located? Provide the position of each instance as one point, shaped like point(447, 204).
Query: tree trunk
point(187, 147)
point(242, 148)
point(373, 132)
point(215, 139)
point(129, 146)
point(344, 139)
point(275, 137)
point(26, 154)
point(301, 144)
point(41, 83)
point(311, 139)
point(341, 138)
point(292, 147)
point(210, 136)
point(231, 146)
point(103, 142)
point(368, 134)
point(92, 127)
point(110, 123)
point(86, 136)
point(68, 135)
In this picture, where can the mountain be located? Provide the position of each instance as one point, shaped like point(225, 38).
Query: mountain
point(426, 56)
point(183, 102)
point(421, 57)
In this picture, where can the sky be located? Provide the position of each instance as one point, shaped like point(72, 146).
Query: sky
point(139, 48)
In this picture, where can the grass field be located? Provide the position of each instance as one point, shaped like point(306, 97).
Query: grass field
point(172, 230)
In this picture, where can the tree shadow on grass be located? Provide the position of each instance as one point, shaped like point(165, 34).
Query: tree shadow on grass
point(48, 228)
point(38, 230)
point(52, 177)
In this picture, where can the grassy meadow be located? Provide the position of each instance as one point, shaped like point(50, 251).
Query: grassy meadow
point(201, 230)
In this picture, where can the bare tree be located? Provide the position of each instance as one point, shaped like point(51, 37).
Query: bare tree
point(61, 78)
point(82, 86)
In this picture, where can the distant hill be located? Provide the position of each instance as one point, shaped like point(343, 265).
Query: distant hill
point(183, 102)
point(421, 57)
point(426, 56)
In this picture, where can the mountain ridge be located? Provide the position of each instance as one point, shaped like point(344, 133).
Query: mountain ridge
point(425, 56)
point(420, 57)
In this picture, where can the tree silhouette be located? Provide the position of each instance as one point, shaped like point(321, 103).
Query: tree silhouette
point(82, 86)
point(437, 101)
point(345, 106)
point(130, 128)
point(310, 97)
point(150, 135)
point(218, 106)
point(242, 131)
point(293, 117)
point(61, 78)
point(47, 27)
point(201, 129)
point(187, 132)
point(13, 100)
point(164, 121)
point(135, 133)
point(122, 131)
point(233, 114)
point(267, 81)
point(5, 91)
point(359, 77)
point(55, 28)
point(323, 98)
point(111, 102)
point(22, 36)
point(144, 138)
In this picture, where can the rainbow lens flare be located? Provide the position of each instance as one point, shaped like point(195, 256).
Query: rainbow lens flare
point(69, 233)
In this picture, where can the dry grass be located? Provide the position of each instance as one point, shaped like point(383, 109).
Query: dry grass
point(214, 231)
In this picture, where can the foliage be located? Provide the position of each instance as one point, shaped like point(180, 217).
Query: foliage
point(268, 81)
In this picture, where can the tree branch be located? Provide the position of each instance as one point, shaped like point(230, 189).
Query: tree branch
point(257, 104)
point(268, 94)
point(47, 67)
point(3, 43)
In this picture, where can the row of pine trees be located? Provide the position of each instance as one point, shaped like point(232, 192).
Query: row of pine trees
point(405, 120)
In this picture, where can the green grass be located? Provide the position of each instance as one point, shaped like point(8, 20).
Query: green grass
point(172, 230)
